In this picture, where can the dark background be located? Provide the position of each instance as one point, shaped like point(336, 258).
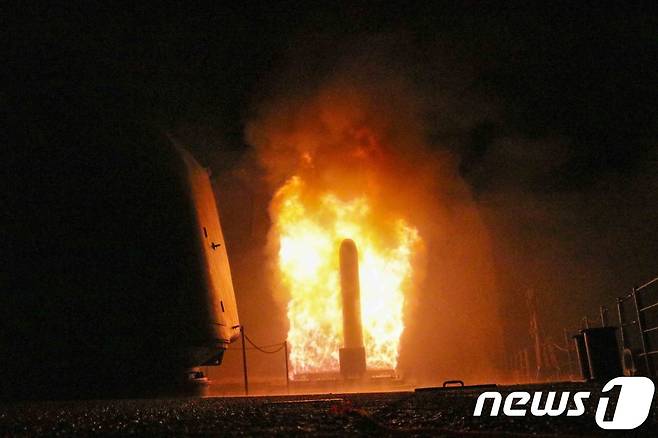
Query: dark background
point(551, 110)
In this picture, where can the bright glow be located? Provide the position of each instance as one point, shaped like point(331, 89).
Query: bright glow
point(310, 228)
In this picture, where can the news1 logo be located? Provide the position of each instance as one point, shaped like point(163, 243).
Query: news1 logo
point(633, 404)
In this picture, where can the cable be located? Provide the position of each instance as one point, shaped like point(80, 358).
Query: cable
point(262, 349)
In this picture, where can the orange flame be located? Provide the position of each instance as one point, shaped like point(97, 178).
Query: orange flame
point(310, 226)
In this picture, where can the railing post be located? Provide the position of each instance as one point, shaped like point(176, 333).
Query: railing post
point(566, 345)
point(603, 310)
point(640, 327)
point(621, 325)
point(287, 373)
point(244, 362)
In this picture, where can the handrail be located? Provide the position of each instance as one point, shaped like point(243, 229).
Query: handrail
point(640, 324)
point(650, 306)
point(645, 285)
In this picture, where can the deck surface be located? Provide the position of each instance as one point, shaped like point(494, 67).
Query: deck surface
point(442, 413)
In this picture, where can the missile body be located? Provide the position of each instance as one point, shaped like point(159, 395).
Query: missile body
point(352, 356)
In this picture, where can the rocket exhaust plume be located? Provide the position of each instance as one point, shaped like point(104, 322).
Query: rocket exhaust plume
point(352, 356)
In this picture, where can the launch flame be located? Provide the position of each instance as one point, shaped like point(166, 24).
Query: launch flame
point(310, 227)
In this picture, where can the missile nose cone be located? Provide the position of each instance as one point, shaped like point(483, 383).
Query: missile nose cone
point(347, 245)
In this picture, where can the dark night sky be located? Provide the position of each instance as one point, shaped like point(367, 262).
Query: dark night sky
point(559, 142)
point(584, 73)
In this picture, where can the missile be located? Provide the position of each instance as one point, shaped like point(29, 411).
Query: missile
point(352, 356)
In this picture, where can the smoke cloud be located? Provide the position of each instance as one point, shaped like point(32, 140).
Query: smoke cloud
point(364, 131)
